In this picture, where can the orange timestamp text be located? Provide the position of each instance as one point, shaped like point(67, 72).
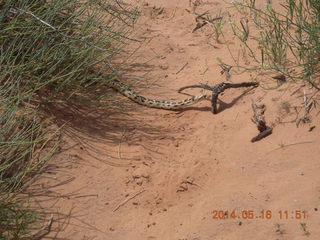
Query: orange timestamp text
point(260, 214)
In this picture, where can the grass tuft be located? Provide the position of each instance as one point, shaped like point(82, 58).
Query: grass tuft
point(284, 40)
point(50, 51)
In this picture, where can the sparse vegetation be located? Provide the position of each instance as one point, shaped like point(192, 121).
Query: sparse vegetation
point(284, 41)
point(217, 26)
point(50, 51)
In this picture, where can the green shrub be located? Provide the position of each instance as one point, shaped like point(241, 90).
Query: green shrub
point(287, 40)
point(15, 219)
point(49, 51)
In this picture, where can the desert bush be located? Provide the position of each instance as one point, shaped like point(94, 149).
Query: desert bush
point(50, 51)
point(285, 40)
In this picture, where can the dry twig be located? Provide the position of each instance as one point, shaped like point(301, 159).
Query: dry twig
point(245, 27)
point(182, 67)
point(259, 120)
point(225, 69)
point(128, 199)
point(202, 20)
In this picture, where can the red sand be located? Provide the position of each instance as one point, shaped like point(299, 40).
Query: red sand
point(191, 163)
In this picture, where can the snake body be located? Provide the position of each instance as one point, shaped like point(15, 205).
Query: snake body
point(163, 104)
point(153, 103)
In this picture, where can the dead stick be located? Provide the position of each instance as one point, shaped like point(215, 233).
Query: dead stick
point(128, 199)
point(259, 120)
point(182, 67)
point(89, 195)
point(261, 135)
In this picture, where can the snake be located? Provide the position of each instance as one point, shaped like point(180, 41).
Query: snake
point(174, 105)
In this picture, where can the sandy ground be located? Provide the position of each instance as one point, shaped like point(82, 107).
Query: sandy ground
point(157, 174)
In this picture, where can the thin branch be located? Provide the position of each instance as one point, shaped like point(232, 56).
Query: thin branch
point(182, 67)
point(128, 199)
